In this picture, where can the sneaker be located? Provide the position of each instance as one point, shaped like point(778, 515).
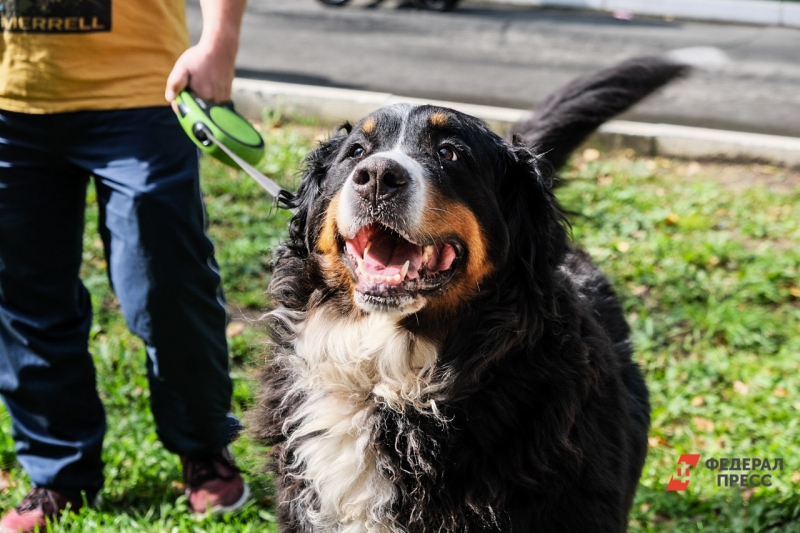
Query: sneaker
point(39, 505)
point(214, 484)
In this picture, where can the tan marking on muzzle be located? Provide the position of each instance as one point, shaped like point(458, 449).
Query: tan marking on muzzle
point(451, 218)
point(336, 272)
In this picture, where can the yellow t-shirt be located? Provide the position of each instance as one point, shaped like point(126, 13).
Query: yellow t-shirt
point(73, 55)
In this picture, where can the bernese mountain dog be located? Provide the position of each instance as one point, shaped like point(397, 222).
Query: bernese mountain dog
point(445, 359)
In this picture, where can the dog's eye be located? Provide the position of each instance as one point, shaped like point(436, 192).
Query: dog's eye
point(357, 151)
point(446, 152)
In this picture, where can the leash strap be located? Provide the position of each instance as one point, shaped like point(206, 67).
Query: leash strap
point(270, 186)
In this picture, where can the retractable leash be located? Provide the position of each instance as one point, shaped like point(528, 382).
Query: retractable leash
point(218, 130)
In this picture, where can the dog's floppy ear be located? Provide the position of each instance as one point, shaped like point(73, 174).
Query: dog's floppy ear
point(315, 168)
point(536, 224)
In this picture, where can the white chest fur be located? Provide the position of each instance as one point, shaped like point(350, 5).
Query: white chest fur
point(343, 367)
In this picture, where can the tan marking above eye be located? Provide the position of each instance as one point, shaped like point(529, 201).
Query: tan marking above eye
point(369, 126)
point(439, 119)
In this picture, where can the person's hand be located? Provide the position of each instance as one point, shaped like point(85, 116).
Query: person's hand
point(207, 70)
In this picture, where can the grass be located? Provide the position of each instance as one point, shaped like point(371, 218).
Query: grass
point(707, 261)
point(705, 258)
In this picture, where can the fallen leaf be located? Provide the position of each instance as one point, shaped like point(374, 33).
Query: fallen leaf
point(740, 387)
point(177, 486)
point(640, 290)
point(698, 401)
point(693, 168)
point(591, 154)
point(703, 424)
point(604, 181)
point(795, 477)
point(655, 442)
point(623, 246)
point(794, 290)
point(5, 481)
point(672, 219)
point(713, 260)
point(234, 329)
point(780, 392)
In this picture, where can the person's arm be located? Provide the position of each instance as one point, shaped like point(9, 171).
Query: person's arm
point(208, 67)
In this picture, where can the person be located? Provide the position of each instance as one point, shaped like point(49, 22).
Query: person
point(82, 94)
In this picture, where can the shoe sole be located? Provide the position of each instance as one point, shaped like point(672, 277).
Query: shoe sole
point(227, 509)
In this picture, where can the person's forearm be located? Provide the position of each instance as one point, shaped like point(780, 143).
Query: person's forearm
point(208, 67)
point(222, 20)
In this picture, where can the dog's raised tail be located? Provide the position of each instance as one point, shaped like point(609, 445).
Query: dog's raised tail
point(570, 115)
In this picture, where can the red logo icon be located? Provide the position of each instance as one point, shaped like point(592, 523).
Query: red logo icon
point(685, 462)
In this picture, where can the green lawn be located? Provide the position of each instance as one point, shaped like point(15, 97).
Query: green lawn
point(706, 259)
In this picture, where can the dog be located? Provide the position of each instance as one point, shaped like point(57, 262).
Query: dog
point(445, 359)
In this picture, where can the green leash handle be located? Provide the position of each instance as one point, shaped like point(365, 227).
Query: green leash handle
point(227, 126)
point(224, 134)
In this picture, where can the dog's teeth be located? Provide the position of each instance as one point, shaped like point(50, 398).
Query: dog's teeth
point(366, 249)
point(427, 254)
point(404, 270)
point(397, 278)
point(362, 269)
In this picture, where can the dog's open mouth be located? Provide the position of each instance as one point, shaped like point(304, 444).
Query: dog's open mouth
point(388, 267)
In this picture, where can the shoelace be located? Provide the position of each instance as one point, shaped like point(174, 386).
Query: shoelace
point(199, 471)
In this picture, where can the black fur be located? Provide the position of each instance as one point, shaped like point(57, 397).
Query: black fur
point(547, 414)
point(573, 113)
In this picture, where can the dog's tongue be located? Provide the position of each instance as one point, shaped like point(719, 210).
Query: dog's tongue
point(387, 254)
point(386, 257)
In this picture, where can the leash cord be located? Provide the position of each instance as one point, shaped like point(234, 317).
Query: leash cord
point(270, 186)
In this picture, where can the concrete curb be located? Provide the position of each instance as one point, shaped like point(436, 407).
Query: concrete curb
point(253, 96)
point(763, 12)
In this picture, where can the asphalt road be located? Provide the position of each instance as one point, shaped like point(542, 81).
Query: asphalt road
point(514, 57)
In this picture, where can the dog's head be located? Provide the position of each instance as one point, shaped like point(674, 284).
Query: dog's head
point(415, 207)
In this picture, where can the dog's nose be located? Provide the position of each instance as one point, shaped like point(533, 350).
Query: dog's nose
point(378, 179)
